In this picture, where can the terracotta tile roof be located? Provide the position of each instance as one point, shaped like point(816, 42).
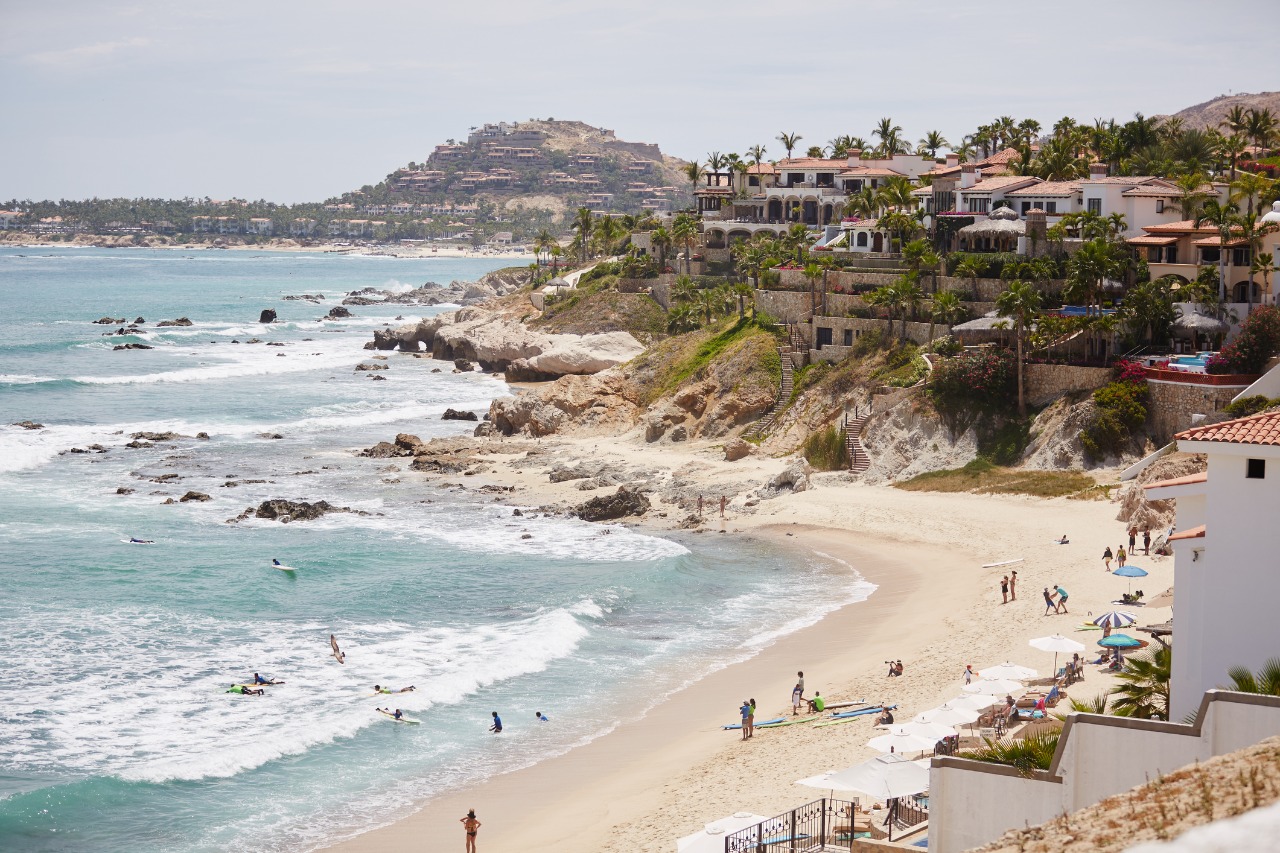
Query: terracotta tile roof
point(762, 169)
point(797, 164)
point(1202, 477)
point(987, 185)
point(1185, 226)
point(1049, 188)
point(1193, 533)
point(1152, 240)
point(1213, 242)
point(1152, 191)
point(870, 172)
point(1001, 158)
point(714, 191)
point(1255, 429)
point(1135, 180)
point(922, 191)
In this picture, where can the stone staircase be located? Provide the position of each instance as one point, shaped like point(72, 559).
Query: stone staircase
point(787, 355)
point(859, 461)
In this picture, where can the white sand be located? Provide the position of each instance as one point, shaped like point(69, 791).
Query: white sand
point(664, 775)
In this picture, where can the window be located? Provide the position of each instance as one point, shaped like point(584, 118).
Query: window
point(1051, 207)
point(1095, 206)
point(1159, 205)
point(1256, 469)
point(862, 238)
point(848, 337)
point(1026, 205)
point(978, 205)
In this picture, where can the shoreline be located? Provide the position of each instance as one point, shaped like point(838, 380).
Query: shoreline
point(388, 250)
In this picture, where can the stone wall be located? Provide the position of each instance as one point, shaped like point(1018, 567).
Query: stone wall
point(635, 285)
point(1044, 382)
point(1174, 402)
point(840, 344)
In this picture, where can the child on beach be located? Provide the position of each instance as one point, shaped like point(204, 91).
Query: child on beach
point(1048, 602)
point(1106, 557)
point(1004, 589)
point(968, 673)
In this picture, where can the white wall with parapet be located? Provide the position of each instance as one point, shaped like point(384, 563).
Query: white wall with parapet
point(972, 803)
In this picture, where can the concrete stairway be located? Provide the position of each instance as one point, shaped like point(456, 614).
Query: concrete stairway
point(859, 461)
point(785, 386)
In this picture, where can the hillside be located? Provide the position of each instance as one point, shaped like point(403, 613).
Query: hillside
point(1210, 113)
point(557, 166)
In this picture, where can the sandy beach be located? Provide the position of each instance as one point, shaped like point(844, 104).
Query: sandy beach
point(665, 773)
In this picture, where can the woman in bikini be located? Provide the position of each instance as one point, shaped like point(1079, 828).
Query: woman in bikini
point(470, 824)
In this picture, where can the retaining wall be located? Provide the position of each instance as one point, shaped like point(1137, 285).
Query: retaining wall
point(1044, 382)
point(1176, 397)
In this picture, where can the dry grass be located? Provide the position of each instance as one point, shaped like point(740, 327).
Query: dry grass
point(983, 478)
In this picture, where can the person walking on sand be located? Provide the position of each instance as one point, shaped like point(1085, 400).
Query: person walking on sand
point(1062, 598)
point(471, 826)
point(1106, 557)
point(1048, 602)
point(722, 503)
point(699, 506)
point(1146, 543)
point(1013, 586)
point(1121, 556)
point(968, 673)
point(1133, 538)
point(1004, 589)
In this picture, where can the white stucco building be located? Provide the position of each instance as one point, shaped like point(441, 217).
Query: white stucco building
point(1225, 564)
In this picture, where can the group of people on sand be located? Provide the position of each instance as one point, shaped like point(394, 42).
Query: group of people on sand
point(1060, 604)
point(1121, 555)
point(1009, 587)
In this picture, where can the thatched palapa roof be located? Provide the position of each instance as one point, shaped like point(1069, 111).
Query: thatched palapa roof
point(1003, 222)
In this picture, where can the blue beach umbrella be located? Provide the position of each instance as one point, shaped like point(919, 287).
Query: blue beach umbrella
point(1130, 572)
point(1120, 641)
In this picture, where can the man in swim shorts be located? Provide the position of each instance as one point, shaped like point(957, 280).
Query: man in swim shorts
point(496, 728)
point(1062, 599)
point(745, 711)
point(241, 690)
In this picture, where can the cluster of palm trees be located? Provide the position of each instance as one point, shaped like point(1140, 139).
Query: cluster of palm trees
point(698, 305)
point(593, 236)
point(891, 141)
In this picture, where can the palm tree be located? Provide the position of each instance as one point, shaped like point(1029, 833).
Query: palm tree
point(814, 151)
point(812, 272)
point(741, 291)
point(607, 231)
point(583, 223)
point(1232, 147)
point(1265, 682)
point(946, 308)
point(1221, 217)
point(555, 253)
point(970, 269)
point(684, 230)
point(1264, 265)
point(750, 261)
point(864, 204)
point(1020, 302)
point(890, 137)
point(693, 171)
point(1192, 194)
point(1253, 231)
point(909, 297)
point(932, 141)
point(1251, 186)
point(1143, 690)
point(796, 240)
point(715, 162)
point(1095, 261)
point(543, 242)
point(1237, 119)
point(789, 141)
point(1028, 130)
point(1261, 128)
point(884, 297)
point(660, 239)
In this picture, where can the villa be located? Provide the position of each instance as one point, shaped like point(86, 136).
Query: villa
point(9, 218)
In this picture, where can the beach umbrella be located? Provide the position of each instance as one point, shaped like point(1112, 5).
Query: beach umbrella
point(1164, 599)
point(1011, 671)
point(711, 837)
point(1120, 641)
point(972, 702)
point(900, 740)
point(1130, 572)
point(937, 731)
point(995, 687)
point(883, 778)
point(948, 714)
point(1056, 643)
point(1115, 619)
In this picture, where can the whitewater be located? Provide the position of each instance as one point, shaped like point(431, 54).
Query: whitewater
point(115, 727)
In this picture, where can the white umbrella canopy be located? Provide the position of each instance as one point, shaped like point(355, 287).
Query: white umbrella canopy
point(973, 702)
point(1056, 643)
point(883, 777)
point(824, 782)
point(900, 740)
point(995, 687)
point(937, 731)
point(948, 714)
point(1011, 671)
point(711, 838)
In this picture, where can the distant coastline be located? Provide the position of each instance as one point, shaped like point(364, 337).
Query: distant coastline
point(15, 239)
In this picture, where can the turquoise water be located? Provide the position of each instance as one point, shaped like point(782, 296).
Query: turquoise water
point(115, 731)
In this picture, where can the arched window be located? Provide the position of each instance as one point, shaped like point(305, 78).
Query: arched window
point(862, 239)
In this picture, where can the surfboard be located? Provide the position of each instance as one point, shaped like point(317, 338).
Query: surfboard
point(403, 719)
point(284, 568)
point(256, 686)
point(388, 693)
point(145, 542)
point(835, 706)
point(861, 712)
point(772, 722)
point(1001, 563)
point(786, 723)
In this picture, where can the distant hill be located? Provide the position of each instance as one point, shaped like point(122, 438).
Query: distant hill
point(554, 165)
point(1211, 113)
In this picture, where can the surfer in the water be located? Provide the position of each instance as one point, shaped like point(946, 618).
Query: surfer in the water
point(496, 728)
point(241, 690)
point(133, 540)
point(258, 679)
point(275, 562)
point(377, 688)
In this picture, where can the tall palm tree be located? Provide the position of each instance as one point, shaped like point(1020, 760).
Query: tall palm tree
point(1191, 194)
point(684, 230)
point(909, 297)
point(660, 239)
point(890, 137)
point(693, 171)
point(1262, 127)
point(1265, 682)
point(1028, 130)
point(1251, 187)
point(584, 223)
point(1020, 303)
point(789, 141)
point(1143, 690)
point(715, 162)
point(946, 308)
point(1252, 230)
point(886, 297)
point(1222, 217)
point(1231, 147)
point(1095, 261)
point(812, 273)
point(932, 141)
point(1264, 265)
point(864, 204)
point(1237, 119)
point(555, 252)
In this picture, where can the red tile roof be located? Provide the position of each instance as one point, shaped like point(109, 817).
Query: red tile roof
point(797, 164)
point(1185, 226)
point(1215, 242)
point(1202, 477)
point(987, 185)
point(1049, 188)
point(1193, 533)
point(1152, 191)
point(870, 172)
point(1152, 240)
point(762, 169)
point(1255, 429)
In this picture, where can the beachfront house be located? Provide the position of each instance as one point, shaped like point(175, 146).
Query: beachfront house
point(1181, 249)
point(9, 219)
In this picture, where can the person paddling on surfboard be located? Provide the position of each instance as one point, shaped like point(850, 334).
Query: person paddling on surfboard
point(377, 688)
point(258, 679)
point(241, 690)
point(133, 540)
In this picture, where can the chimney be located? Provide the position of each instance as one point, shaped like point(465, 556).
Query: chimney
point(968, 176)
point(1097, 170)
point(953, 160)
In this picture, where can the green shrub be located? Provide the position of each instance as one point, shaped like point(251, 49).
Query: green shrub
point(1257, 342)
point(948, 346)
point(770, 279)
point(869, 342)
point(1121, 410)
point(977, 385)
point(1004, 445)
point(825, 449)
point(1246, 406)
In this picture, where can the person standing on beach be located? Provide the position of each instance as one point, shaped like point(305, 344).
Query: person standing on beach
point(797, 694)
point(1146, 543)
point(1106, 557)
point(1062, 599)
point(699, 506)
point(471, 826)
point(1133, 538)
point(751, 718)
point(1004, 589)
point(1013, 586)
point(1121, 556)
point(1048, 602)
point(722, 503)
point(745, 711)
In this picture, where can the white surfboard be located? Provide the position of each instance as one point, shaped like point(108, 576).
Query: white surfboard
point(143, 542)
point(283, 568)
point(403, 719)
point(1001, 563)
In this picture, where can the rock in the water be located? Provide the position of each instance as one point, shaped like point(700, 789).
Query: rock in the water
point(463, 364)
point(337, 312)
point(203, 435)
point(194, 496)
point(286, 511)
point(107, 321)
point(155, 436)
point(271, 435)
point(132, 346)
point(268, 315)
point(736, 448)
point(620, 504)
point(455, 415)
point(124, 490)
point(29, 425)
point(181, 321)
point(405, 445)
point(379, 377)
point(368, 366)
point(138, 321)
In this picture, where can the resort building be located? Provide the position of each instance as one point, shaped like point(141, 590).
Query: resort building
point(302, 227)
point(9, 219)
point(259, 225)
point(1181, 249)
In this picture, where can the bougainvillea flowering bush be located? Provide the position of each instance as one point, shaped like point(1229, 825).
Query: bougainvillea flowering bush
point(1259, 339)
point(979, 384)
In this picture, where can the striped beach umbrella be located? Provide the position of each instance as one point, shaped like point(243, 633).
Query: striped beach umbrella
point(1115, 619)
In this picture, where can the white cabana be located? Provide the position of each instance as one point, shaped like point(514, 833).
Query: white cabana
point(883, 778)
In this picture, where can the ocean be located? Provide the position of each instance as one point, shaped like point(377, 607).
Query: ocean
point(115, 727)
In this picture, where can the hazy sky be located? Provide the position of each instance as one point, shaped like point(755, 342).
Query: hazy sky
point(295, 101)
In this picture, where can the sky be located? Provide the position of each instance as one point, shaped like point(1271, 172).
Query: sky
point(299, 101)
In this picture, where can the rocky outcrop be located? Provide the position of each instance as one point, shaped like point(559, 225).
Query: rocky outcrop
point(736, 448)
point(603, 404)
point(793, 478)
point(620, 504)
point(455, 415)
point(181, 321)
point(496, 283)
point(462, 365)
point(337, 312)
point(199, 497)
point(308, 297)
point(367, 366)
point(1137, 511)
point(404, 445)
point(107, 321)
point(407, 338)
point(156, 436)
point(131, 346)
point(268, 315)
point(286, 511)
point(29, 425)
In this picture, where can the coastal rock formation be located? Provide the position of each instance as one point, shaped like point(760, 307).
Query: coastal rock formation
point(286, 511)
point(793, 478)
point(405, 445)
point(309, 297)
point(496, 283)
point(602, 404)
point(337, 312)
point(620, 504)
point(156, 436)
point(1055, 435)
point(200, 497)
point(107, 321)
point(736, 448)
point(1137, 511)
point(29, 425)
point(366, 366)
point(455, 415)
point(131, 346)
point(139, 321)
point(268, 315)
point(181, 321)
point(462, 365)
